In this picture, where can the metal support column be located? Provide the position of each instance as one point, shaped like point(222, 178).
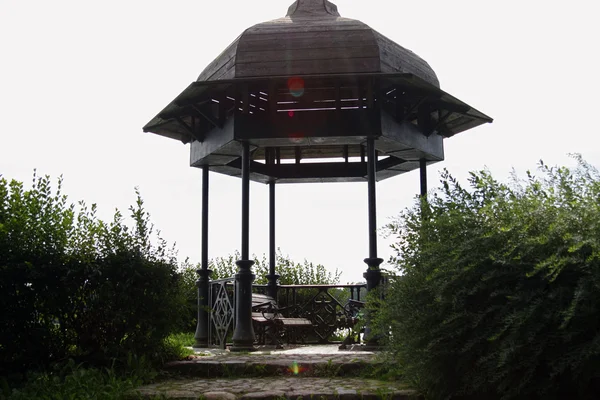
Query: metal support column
point(423, 170)
point(272, 277)
point(373, 274)
point(202, 337)
point(243, 336)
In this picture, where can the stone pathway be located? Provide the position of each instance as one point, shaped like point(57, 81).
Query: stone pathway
point(319, 372)
point(311, 360)
point(278, 388)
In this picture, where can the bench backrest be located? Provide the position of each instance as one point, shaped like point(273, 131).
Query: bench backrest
point(263, 307)
point(262, 300)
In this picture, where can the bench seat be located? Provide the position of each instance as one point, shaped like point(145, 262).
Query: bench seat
point(269, 321)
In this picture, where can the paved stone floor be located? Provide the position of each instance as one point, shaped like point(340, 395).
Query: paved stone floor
point(301, 372)
point(318, 350)
point(308, 354)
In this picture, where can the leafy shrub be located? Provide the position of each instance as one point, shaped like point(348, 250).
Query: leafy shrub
point(74, 381)
point(289, 271)
point(498, 293)
point(74, 286)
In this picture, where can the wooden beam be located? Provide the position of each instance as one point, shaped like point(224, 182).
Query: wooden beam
point(187, 103)
point(388, 163)
point(338, 99)
point(272, 99)
point(413, 107)
point(193, 133)
point(183, 111)
point(317, 170)
point(214, 122)
point(424, 120)
point(370, 94)
point(457, 108)
point(326, 124)
point(222, 109)
point(360, 90)
point(440, 121)
point(245, 99)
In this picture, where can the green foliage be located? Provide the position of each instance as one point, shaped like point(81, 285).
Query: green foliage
point(74, 381)
point(290, 272)
point(498, 288)
point(182, 340)
point(74, 286)
point(189, 291)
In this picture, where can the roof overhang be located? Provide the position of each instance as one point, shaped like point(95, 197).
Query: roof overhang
point(455, 115)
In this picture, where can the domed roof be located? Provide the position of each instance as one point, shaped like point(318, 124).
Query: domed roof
point(314, 86)
point(313, 39)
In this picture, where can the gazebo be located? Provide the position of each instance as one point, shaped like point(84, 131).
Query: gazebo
point(310, 97)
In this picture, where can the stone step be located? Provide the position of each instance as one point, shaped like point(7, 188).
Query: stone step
point(268, 388)
point(262, 367)
point(304, 361)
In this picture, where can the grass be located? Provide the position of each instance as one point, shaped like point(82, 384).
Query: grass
point(184, 339)
point(72, 381)
point(77, 381)
point(180, 343)
point(69, 380)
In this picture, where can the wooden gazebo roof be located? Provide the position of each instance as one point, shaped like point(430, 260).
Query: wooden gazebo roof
point(314, 85)
point(314, 39)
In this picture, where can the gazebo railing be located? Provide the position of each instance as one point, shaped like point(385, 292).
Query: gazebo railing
point(221, 303)
point(328, 307)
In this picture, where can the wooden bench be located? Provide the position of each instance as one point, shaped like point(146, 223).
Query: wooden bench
point(353, 309)
point(271, 326)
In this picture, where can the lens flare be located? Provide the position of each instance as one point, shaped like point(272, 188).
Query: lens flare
point(296, 138)
point(294, 368)
point(296, 86)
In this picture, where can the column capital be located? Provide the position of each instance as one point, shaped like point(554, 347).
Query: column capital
point(244, 264)
point(373, 263)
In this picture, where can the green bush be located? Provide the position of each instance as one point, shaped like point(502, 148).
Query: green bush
point(498, 295)
point(75, 381)
point(74, 286)
point(289, 271)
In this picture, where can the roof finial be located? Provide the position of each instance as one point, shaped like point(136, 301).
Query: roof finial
point(309, 8)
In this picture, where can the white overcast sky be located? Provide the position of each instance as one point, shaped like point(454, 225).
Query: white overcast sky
point(78, 80)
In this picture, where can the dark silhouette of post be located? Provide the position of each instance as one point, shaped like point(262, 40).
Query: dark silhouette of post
point(373, 274)
point(243, 336)
point(202, 328)
point(272, 277)
point(423, 170)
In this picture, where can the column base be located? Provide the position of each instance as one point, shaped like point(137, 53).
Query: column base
point(373, 277)
point(243, 336)
point(202, 337)
point(246, 348)
point(272, 285)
